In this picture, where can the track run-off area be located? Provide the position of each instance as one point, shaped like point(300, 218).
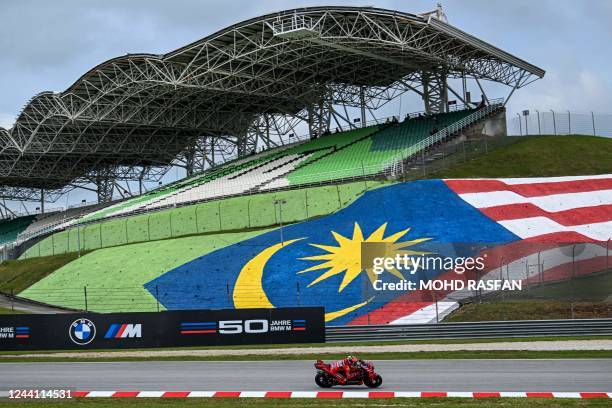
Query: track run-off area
point(531, 375)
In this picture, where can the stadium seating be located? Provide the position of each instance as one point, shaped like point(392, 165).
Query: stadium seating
point(235, 213)
point(10, 229)
point(344, 155)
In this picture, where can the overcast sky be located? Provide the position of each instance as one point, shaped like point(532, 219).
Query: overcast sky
point(47, 45)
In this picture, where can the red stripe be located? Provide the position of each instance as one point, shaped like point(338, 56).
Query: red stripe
point(381, 394)
point(176, 394)
point(22, 336)
point(227, 394)
point(299, 328)
point(77, 394)
point(125, 394)
point(197, 331)
point(121, 330)
point(486, 395)
point(329, 394)
point(593, 395)
point(530, 189)
point(278, 394)
point(433, 394)
point(576, 216)
point(539, 395)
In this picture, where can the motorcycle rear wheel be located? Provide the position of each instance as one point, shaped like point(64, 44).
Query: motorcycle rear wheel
point(323, 381)
point(373, 383)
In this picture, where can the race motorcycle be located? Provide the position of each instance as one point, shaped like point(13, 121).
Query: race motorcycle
point(362, 373)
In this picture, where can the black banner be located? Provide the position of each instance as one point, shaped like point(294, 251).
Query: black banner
point(163, 329)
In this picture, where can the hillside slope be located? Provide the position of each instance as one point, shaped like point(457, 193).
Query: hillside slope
point(539, 156)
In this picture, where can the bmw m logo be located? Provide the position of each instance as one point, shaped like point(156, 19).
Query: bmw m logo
point(82, 331)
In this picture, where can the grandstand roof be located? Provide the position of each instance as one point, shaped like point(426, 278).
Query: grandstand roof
point(144, 109)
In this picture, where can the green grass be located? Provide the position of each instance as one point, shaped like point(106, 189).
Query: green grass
point(17, 275)
point(539, 156)
point(304, 402)
point(339, 344)
point(115, 276)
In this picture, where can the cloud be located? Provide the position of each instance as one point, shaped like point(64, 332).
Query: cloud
point(6, 120)
point(584, 91)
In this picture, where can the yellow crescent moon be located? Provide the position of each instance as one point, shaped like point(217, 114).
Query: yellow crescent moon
point(249, 292)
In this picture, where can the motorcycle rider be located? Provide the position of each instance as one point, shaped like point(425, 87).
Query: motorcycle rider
point(342, 368)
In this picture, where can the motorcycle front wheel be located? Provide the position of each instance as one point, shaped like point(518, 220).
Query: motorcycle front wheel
point(374, 382)
point(323, 381)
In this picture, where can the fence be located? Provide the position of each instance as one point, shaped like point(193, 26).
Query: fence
point(557, 281)
point(236, 213)
point(549, 122)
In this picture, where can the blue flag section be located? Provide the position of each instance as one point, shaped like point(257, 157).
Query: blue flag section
point(318, 262)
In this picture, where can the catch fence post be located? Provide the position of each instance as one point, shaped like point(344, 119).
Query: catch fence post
point(593, 122)
point(569, 123)
point(12, 299)
point(554, 122)
point(227, 290)
point(85, 295)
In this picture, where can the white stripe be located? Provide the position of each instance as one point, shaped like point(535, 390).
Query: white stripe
point(550, 203)
point(428, 313)
point(534, 180)
point(460, 394)
point(200, 394)
point(535, 226)
point(553, 179)
point(150, 394)
point(513, 394)
point(304, 394)
point(252, 394)
point(408, 394)
point(97, 394)
point(356, 394)
point(566, 395)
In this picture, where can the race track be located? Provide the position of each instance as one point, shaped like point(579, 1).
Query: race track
point(406, 375)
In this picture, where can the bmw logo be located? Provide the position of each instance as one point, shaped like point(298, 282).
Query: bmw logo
point(82, 331)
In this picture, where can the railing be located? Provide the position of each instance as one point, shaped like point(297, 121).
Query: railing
point(443, 134)
point(472, 330)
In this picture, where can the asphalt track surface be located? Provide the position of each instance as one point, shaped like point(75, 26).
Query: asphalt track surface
point(400, 375)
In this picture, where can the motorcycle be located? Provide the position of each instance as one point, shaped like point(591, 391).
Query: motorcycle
point(362, 373)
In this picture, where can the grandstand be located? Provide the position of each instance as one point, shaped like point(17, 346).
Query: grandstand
point(230, 120)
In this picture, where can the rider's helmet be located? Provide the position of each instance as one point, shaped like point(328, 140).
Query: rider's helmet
point(352, 360)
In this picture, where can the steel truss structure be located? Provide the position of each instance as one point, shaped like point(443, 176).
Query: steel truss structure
point(241, 89)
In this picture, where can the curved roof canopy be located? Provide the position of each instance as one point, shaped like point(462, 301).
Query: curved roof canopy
point(143, 109)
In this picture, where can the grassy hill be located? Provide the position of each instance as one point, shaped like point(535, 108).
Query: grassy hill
point(538, 156)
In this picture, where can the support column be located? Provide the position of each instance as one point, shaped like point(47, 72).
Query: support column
point(106, 186)
point(42, 201)
point(435, 92)
point(363, 105)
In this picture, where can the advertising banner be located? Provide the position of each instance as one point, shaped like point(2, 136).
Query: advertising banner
point(163, 329)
